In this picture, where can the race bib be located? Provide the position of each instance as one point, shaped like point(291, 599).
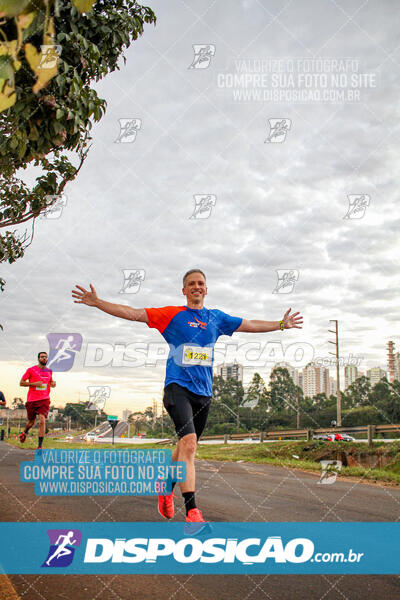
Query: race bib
point(42, 386)
point(197, 356)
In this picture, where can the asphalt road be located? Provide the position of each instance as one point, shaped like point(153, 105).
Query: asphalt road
point(226, 492)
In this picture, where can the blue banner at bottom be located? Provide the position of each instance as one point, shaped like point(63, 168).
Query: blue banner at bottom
point(192, 548)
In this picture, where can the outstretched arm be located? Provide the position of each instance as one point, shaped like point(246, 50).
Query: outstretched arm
point(83, 296)
point(255, 326)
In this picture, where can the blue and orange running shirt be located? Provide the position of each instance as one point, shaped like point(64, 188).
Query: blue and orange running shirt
point(191, 334)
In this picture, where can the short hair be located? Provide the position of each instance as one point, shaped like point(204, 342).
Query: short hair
point(190, 272)
point(41, 353)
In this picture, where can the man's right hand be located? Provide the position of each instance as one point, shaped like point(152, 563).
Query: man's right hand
point(84, 297)
point(122, 311)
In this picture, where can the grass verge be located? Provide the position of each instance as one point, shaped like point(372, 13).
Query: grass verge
point(307, 456)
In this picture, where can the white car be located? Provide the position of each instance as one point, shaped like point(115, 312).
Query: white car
point(90, 437)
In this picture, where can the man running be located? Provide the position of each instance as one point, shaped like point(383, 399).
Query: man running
point(191, 332)
point(39, 379)
point(62, 542)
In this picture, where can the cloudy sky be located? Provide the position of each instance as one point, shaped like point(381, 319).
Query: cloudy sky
point(275, 205)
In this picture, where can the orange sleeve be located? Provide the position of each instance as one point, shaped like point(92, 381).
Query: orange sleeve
point(159, 318)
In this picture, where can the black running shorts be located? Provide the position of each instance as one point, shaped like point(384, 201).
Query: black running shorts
point(188, 410)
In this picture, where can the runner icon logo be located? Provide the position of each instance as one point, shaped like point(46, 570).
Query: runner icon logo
point(358, 204)
point(329, 471)
point(286, 281)
point(62, 547)
point(203, 204)
point(63, 347)
point(98, 395)
point(278, 129)
point(128, 129)
point(203, 54)
point(132, 280)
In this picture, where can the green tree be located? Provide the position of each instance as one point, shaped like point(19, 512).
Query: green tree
point(284, 394)
point(17, 403)
point(362, 415)
point(138, 420)
point(149, 414)
point(45, 121)
point(80, 417)
point(320, 401)
point(358, 393)
point(256, 393)
point(385, 397)
point(227, 399)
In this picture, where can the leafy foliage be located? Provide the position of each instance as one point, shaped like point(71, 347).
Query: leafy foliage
point(284, 394)
point(53, 109)
point(25, 17)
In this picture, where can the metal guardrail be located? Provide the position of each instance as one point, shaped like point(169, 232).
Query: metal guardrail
point(369, 430)
point(304, 433)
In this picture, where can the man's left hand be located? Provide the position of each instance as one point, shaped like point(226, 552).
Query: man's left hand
point(293, 320)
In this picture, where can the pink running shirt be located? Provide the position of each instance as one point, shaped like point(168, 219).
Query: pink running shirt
point(44, 375)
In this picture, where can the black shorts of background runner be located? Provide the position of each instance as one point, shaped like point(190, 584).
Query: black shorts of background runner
point(188, 410)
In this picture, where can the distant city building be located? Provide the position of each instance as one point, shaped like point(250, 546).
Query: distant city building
point(375, 375)
point(295, 374)
point(397, 366)
point(300, 384)
point(393, 362)
point(332, 386)
point(234, 371)
point(155, 409)
point(315, 380)
point(125, 414)
point(390, 363)
point(350, 375)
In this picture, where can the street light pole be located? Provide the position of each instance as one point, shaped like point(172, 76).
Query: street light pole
point(338, 394)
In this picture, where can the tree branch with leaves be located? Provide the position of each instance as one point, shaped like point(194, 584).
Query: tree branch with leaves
point(51, 53)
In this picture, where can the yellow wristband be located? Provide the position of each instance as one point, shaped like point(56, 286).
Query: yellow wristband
point(282, 325)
